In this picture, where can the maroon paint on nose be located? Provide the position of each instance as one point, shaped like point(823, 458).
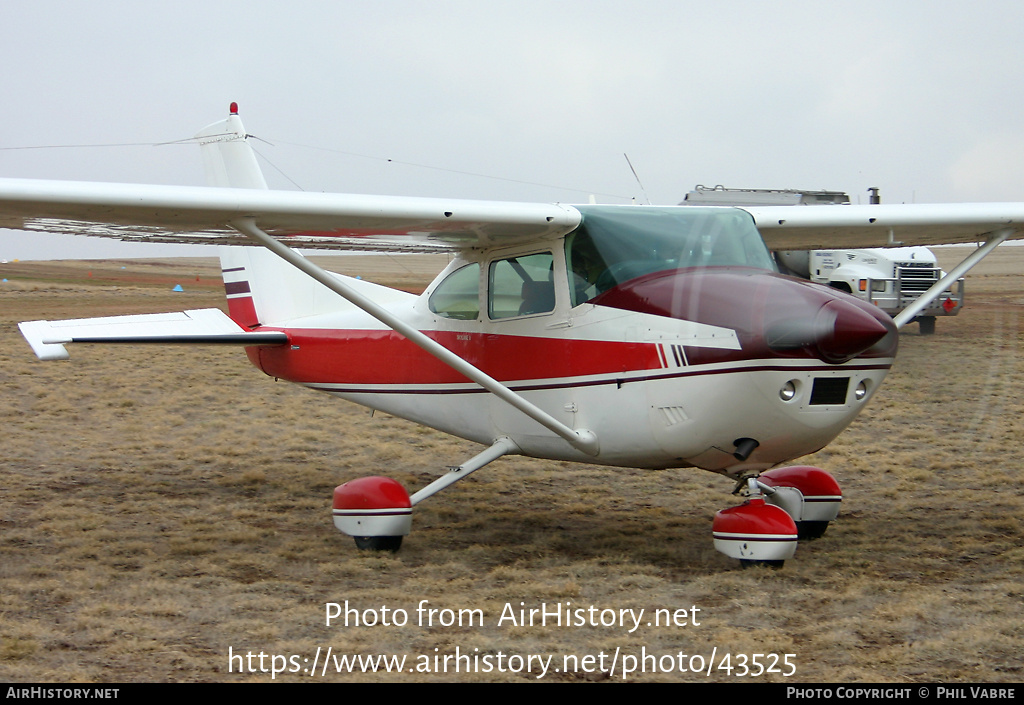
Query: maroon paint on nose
point(773, 315)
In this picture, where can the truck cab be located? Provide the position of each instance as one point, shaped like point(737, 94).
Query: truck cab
point(891, 278)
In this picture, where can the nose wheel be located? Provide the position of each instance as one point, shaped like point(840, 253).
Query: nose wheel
point(755, 532)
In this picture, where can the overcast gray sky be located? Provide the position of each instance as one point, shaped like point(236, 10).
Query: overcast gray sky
point(921, 99)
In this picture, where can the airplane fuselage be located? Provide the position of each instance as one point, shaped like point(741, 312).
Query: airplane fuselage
point(669, 368)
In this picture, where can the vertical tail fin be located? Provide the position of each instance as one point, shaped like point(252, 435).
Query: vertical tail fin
point(230, 162)
point(236, 273)
point(262, 288)
point(227, 157)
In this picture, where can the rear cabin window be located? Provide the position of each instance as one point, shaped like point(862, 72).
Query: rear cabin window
point(521, 286)
point(458, 296)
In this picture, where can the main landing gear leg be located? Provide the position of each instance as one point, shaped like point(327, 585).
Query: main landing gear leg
point(377, 511)
point(783, 505)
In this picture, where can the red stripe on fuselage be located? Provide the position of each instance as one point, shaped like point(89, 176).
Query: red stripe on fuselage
point(385, 357)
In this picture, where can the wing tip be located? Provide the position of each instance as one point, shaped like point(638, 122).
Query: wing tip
point(38, 335)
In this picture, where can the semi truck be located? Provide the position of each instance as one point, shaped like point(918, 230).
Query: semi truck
point(890, 278)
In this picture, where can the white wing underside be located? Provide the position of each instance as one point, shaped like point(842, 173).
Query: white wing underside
point(182, 214)
point(855, 227)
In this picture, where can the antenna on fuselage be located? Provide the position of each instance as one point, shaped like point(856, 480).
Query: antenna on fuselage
point(637, 178)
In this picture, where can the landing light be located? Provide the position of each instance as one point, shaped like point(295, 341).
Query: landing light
point(788, 391)
point(861, 391)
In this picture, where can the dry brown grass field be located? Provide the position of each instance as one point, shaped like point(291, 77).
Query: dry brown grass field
point(160, 506)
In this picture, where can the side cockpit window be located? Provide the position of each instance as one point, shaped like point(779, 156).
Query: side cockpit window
point(458, 296)
point(521, 286)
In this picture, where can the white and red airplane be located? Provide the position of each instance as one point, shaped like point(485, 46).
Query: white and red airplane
point(631, 336)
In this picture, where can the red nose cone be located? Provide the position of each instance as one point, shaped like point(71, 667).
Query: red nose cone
point(852, 330)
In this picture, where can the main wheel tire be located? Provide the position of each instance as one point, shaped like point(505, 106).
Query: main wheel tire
point(378, 543)
point(774, 565)
point(926, 325)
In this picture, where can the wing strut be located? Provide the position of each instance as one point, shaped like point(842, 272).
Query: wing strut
point(502, 446)
point(994, 239)
point(581, 439)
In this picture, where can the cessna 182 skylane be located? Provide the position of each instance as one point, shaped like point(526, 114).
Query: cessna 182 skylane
point(632, 336)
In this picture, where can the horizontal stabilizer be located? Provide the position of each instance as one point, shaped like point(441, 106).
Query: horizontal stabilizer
point(209, 326)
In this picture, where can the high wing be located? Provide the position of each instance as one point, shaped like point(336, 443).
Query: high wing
point(238, 200)
point(833, 227)
point(204, 215)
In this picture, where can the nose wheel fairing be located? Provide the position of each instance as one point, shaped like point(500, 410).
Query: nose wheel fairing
point(783, 506)
point(755, 531)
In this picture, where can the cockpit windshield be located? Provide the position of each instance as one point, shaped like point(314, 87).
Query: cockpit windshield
point(615, 244)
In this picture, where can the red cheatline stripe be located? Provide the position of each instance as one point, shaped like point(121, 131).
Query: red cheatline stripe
point(386, 388)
